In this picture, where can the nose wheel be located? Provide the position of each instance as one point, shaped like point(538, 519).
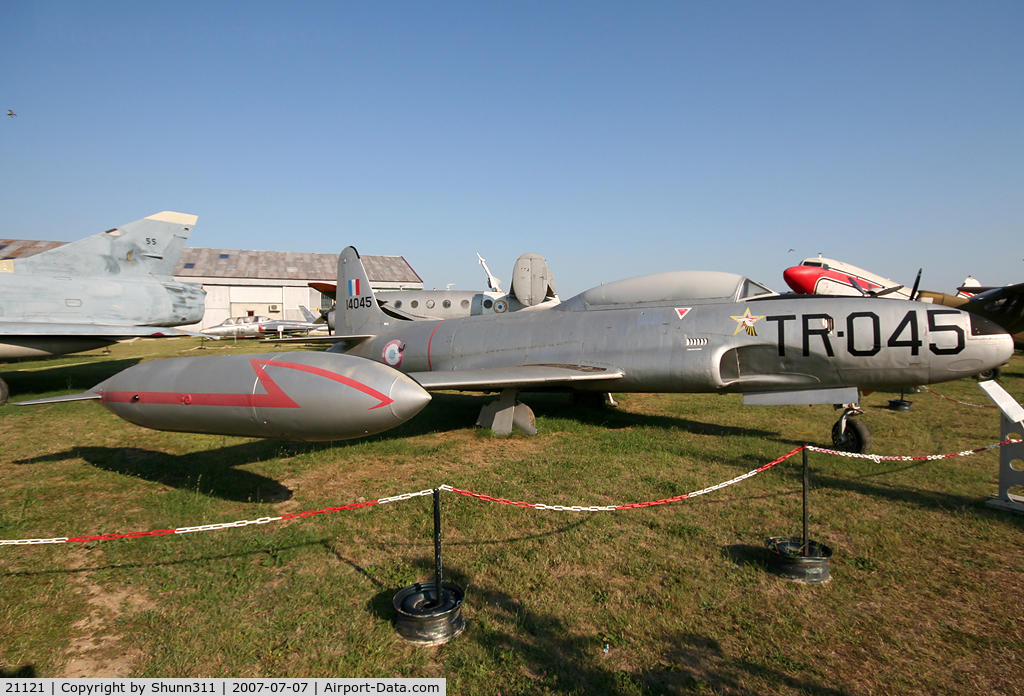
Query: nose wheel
point(850, 435)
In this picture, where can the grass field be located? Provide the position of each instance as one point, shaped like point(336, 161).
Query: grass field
point(925, 596)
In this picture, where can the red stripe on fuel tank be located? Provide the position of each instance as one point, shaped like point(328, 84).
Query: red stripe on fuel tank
point(274, 398)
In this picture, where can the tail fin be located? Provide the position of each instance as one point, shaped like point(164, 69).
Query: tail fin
point(308, 315)
point(357, 312)
point(150, 246)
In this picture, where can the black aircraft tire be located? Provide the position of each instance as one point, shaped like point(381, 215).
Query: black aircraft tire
point(4, 393)
point(994, 373)
point(856, 439)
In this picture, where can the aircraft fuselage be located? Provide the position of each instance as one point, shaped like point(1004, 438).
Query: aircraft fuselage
point(762, 344)
point(76, 300)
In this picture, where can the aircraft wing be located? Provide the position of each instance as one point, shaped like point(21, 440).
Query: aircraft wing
point(333, 338)
point(329, 289)
point(84, 396)
point(112, 331)
point(487, 378)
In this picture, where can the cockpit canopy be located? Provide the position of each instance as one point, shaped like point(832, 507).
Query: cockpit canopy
point(676, 286)
point(239, 321)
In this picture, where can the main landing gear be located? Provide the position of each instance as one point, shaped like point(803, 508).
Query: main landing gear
point(849, 434)
point(501, 415)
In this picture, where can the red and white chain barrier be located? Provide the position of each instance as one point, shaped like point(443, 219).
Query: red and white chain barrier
point(212, 527)
point(489, 499)
point(929, 458)
point(957, 401)
point(627, 506)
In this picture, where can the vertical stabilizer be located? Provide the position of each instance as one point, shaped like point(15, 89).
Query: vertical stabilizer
point(357, 312)
point(150, 246)
point(532, 282)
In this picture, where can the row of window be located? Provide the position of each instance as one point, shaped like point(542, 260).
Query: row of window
point(430, 304)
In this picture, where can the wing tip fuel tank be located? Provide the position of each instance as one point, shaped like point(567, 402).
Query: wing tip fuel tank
point(292, 396)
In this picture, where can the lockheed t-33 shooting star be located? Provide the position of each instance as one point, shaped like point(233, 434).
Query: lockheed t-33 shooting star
point(98, 290)
point(685, 331)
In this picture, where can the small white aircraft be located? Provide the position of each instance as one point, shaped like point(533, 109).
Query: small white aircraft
point(265, 326)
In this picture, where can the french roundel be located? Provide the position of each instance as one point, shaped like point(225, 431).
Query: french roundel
point(500, 306)
point(393, 353)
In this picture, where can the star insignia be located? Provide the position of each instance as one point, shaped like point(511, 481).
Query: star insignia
point(745, 322)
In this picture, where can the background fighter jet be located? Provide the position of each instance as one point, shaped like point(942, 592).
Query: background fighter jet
point(265, 326)
point(239, 327)
point(670, 332)
point(98, 290)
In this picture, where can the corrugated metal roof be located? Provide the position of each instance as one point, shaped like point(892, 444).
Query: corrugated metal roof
point(13, 248)
point(245, 263)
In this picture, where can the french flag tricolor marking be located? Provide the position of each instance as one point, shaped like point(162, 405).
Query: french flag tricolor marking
point(353, 288)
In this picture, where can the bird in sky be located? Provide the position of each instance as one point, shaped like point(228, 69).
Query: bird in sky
point(11, 113)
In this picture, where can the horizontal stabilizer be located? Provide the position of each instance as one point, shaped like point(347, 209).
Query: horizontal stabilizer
point(800, 397)
point(522, 376)
point(84, 396)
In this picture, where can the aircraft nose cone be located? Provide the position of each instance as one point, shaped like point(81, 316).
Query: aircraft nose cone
point(409, 398)
point(1006, 348)
point(801, 279)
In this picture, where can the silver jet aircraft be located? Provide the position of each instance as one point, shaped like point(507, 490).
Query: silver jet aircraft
point(670, 332)
point(265, 326)
point(238, 327)
point(684, 331)
point(98, 290)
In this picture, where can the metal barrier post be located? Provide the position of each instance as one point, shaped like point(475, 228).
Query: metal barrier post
point(1011, 469)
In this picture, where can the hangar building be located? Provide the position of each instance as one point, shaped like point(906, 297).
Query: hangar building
point(274, 283)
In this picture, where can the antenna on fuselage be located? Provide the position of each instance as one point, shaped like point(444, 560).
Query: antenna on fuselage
point(492, 282)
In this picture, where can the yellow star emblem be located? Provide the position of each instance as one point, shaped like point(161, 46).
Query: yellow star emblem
point(745, 322)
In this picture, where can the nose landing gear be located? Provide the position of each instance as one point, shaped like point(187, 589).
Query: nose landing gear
point(849, 434)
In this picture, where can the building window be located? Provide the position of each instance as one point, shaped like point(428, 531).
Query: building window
point(223, 256)
point(190, 265)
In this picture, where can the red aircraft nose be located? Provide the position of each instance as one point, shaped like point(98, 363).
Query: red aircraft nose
point(802, 278)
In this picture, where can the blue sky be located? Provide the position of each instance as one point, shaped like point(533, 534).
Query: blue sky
point(615, 139)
